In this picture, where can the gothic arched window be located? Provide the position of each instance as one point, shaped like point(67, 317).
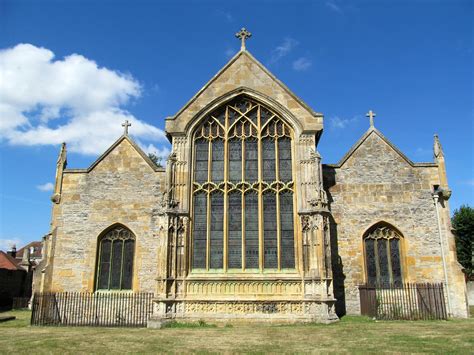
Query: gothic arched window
point(115, 259)
point(383, 255)
point(243, 213)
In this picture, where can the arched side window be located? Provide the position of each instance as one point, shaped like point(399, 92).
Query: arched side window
point(383, 255)
point(243, 190)
point(115, 259)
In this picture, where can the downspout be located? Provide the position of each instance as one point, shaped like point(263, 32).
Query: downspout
point(440, 234)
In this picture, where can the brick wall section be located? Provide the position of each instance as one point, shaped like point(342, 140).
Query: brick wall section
point(377, 184)
point(121, 188)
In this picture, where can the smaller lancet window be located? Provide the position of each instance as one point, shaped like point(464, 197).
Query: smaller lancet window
point(115, 259)
point(383, 256)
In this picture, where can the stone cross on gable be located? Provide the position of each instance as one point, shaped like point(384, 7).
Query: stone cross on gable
point(371, 115)
point(243, 34)
point(125, 126)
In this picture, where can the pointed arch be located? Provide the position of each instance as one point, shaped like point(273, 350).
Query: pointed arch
point(383, 254)
point(251, 94)
point(115, 258)
point(243, 188)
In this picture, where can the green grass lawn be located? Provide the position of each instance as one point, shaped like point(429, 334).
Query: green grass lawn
point(351, 334)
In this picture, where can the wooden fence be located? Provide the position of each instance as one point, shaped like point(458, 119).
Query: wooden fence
point(92, 309)
point(406, 301)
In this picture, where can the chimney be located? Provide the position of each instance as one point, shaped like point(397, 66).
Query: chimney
point(12, 252)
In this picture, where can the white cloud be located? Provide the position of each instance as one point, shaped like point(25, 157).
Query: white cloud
point(163, 152)
point(423, 152)
point(7, 244)
point(302, 64)
point(341, 123)
point(283, 49)
point(46, 101)
point(470, 182)
point(46, 187)
point(333, 6)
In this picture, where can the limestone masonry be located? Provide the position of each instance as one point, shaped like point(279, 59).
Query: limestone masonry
point(375, 216)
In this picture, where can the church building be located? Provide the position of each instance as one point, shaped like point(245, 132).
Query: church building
point(244, 221)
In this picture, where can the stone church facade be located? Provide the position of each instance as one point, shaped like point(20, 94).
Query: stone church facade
point(244, 221)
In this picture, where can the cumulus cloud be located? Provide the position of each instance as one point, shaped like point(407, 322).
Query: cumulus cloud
point(46, 187)
point(301, 64)
point(283, 49)
point(47, 101)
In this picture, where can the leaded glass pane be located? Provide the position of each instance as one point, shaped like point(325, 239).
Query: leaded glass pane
point(270, 231)
point(287, 238)
point(235, 160)
point(217, 231)
point(268, 153)
point(251, 231)
point(116, 269)
point(127, 267)
point(251, 160)
point(384, 276)
point(200, 230)
point(395, 258)
point(217, 172)
point(370, 257)
point(235, 230)
point(201, 169)
point(284, 156)
point(104, 264)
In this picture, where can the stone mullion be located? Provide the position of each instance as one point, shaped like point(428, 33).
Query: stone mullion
point(110, 263)
point(226, 197)
point(208, 216)
point(260, 198)
point(121, 263)
point(243, 201)
point(278, 217)
point(377, 265)
point(389, 261)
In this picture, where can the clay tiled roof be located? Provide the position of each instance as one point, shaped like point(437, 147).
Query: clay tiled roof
point(8, 262)
point(37, 246)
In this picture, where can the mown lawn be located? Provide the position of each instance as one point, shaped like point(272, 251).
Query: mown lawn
point(351, 334)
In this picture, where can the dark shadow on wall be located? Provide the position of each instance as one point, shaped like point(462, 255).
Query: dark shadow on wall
point(329, 180)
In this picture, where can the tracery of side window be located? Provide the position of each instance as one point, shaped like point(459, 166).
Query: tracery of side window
point(243, 190)
point(115, 259)
point(383, 256)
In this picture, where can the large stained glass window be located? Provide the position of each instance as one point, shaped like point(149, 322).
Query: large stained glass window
point(243, 190)
point(383, 256)
point(115, 259)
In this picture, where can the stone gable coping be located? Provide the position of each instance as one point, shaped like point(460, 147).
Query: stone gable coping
point(373, 130)
point(111, 148)
point(262, 67)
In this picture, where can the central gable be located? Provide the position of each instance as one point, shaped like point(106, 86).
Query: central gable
point(244, 74)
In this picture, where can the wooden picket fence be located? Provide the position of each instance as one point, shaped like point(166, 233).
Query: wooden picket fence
point(92, 309)
point(419, 301)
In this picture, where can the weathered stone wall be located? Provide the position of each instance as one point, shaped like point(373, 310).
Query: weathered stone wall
point(122, 188)
point(376, 183)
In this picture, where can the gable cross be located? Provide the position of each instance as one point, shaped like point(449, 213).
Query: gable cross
point(371, 115)
point(125, 126)
point(243, 34)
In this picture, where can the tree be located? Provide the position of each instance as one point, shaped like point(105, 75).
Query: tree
point(463, 223)
point(155, 159)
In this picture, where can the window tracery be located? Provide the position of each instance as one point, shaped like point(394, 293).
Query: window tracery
point(243, 216)
point(115, 259)
point(383, 256)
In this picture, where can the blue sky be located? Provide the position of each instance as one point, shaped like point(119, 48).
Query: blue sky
point(73, 70)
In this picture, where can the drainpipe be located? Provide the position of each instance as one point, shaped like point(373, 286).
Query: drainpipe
point(435, 199)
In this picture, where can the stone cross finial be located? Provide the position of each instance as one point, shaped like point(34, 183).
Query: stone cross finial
point(371, 114)
point(125, 126)
point(243, 34)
